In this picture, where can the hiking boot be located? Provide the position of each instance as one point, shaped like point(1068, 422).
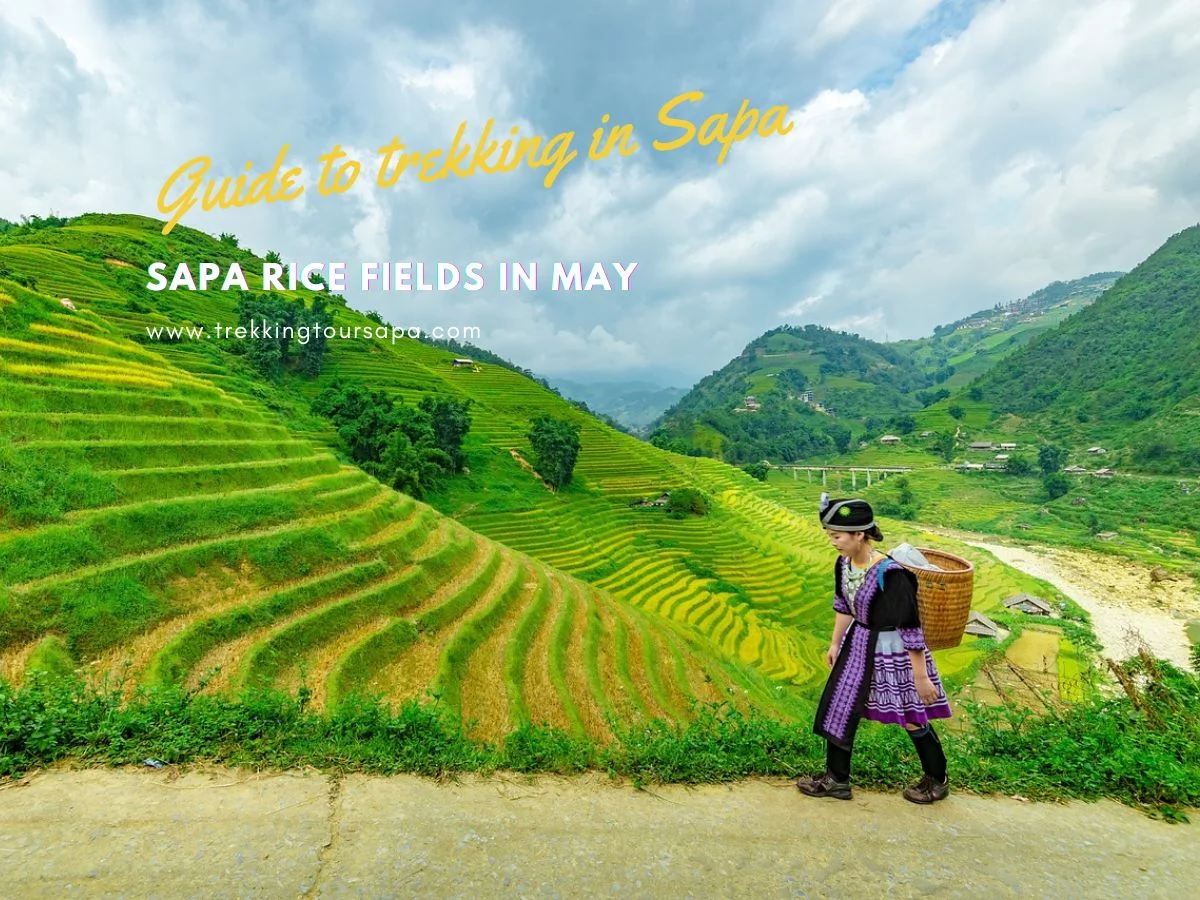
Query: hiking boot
point(928, 790)
point(824, 785)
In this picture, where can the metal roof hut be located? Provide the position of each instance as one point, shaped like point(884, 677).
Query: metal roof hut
point(1027, 603)
point(981, 626)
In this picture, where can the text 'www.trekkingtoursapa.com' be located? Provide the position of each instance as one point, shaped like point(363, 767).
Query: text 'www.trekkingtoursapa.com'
point(302, 334)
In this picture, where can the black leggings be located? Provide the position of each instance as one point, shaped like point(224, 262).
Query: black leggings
point(925, 740)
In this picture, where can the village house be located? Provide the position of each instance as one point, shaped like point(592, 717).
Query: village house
point(1075, 470)
point(926, 434)
point(1104, 473)
point(461, 363)
point(995, 467)
point(1008, 446)
point(889, 439)
point(660, 500)
point(1000, 457)
point(981, 626)
point(970, 467)
point(1027, 603)
point(981, 445)
point(751, 403)
point(1096, 451)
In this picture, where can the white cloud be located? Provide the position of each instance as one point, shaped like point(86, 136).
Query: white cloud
point(845, 17)
point(1038, 142)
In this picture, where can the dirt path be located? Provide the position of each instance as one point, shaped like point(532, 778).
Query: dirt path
point(1124, 604)
point(221, 833)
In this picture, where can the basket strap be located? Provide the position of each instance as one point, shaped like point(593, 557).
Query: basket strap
point(883, 567)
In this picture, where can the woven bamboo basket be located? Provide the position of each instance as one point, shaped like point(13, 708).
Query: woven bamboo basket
point(944, 598)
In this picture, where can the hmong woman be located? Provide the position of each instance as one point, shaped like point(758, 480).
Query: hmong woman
point(880, 666)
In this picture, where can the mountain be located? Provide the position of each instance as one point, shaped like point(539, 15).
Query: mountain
point(634, 404)
point(857, 388)
point(1124, 372)
point(958, 352)
point(792, 393)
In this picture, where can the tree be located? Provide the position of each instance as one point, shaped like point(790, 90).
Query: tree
point(1056, 484)
point(228, 239)
point(956, 412)
point(928, 398)
point(450, 421)
point(556, 446)
point(1019, 465)
point(792, 379)
point(269, 313)
point(410, 448)
point(686, 502)
point(841, 436)
point(273, 257)
point(1051, 458)
point(975, 393)
point(943, 445)
point(756, 470)
point(312, 340)
point(275, 326)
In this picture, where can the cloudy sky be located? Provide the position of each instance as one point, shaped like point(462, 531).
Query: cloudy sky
point(945, 156)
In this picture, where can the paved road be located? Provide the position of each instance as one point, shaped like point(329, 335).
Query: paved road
point(220, 833)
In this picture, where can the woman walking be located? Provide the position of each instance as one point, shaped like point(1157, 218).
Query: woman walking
point(880, 668)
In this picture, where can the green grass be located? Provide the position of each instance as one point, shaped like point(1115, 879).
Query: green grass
point(1143, 751)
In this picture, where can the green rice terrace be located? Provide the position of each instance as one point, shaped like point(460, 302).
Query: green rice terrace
point(170, 518)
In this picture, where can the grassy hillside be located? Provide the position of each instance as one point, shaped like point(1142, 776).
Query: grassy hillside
point(961, 351)
point(1122, 373)
point(170, 515)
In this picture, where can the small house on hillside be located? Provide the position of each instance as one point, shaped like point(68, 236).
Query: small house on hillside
point(981, 445)
point(1001, 457)
point(1008, 446)
point(1075, 470)
point(461, 363)
point(981, 626)
point(889, 439)
point(970, 467)
point(1096, 451)
point(926, 434)
point(1027, 603)
point(1104, 473)
point(660, 500)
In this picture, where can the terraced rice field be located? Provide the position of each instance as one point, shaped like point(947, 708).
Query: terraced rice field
point(239, 551)
point(226, 553)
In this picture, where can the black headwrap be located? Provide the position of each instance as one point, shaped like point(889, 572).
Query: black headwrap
point(846, 515)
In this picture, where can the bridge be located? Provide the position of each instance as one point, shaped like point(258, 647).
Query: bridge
point(881, 471)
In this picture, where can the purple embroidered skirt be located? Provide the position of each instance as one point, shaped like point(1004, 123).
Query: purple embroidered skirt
point(893, 697)
point(873, 679)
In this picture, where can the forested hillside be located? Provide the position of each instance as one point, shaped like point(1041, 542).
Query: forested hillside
point(1123, 372)
point(807, 393)
point(794, 392)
